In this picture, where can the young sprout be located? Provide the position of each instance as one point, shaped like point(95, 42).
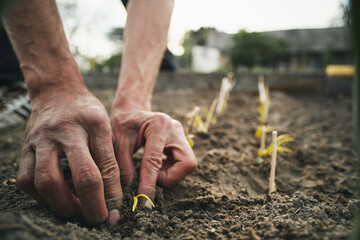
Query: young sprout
point(263, 107)
point(199, 125)
point(210, 115)
point(279, 140)
point(272, 186)
point(264, 99)
point(191, 119)
point(190, 140)
point(136, 201)
point(259, 158)
point(259, 130)
point(225, 89)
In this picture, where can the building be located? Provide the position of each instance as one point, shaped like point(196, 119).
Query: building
point(308, 49)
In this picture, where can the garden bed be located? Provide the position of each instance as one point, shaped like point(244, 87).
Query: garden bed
point(227, 196)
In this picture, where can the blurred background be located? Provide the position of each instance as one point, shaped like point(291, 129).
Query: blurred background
point(208, 36)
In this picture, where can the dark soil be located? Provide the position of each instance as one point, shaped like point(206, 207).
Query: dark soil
point(227, 197)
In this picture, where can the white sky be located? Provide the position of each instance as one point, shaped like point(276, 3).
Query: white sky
point(95, 18)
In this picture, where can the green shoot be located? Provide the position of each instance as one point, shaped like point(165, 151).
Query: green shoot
point(279, 140)
point(262, 142)
point(190, 140)
point(259, 130)
point(191, 119)
point(209, 117)
point(264, 99)
point(199, 125)
point(136, 201)
point(225, 89)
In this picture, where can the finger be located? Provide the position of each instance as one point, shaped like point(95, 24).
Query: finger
point(87, 182)
point(123, 152)
point(50, 184)
point(181, 159)
point(173, 171)
point(151, 163)
point(102, 150)
point(25, 177)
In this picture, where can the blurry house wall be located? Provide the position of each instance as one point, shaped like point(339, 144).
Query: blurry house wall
point(308, 48)
point(205, 59)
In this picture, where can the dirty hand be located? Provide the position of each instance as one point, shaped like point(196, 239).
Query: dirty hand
point(75, 125)
point(158, 133)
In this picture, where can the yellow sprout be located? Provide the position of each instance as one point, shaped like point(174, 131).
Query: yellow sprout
point(199, 125)
point(275, 190)
point(279, 140)
point(190, 141)
point(136, 200)
point(258, 131)
point(264, 105)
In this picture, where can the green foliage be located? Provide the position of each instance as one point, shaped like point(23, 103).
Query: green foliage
point(254, 49)
point(346, 13)
point(192, 38)
point(4, 5)
point(112, 64)
point(116, 34)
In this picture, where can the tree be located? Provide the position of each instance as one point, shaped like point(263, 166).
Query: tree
point(116, 34)
point(256, 49)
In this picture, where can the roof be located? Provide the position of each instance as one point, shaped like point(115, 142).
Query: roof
point(298, 40)
point(314, 40)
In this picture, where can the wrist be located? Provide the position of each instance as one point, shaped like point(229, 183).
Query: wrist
point(49, 78)
point(127, 102)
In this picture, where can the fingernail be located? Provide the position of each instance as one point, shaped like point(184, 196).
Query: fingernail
point(114, 216)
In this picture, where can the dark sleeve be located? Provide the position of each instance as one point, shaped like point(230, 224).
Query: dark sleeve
point(124, 2)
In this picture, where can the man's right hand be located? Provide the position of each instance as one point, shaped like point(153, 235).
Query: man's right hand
point(71, 123)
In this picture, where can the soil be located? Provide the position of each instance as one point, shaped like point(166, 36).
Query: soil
point(227, 196)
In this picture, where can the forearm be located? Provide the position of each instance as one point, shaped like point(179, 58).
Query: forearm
point(37, 35)
point(145, 40)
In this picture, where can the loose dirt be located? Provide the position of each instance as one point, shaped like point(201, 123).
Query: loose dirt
point(227, 196)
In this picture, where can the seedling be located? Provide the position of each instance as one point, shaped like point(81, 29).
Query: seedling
point(263, 108)
point(259, 130)
point(191, 119)
point(225, 89)
point(259, 158)
point(218, 105)
point(210, 115)
point(136, 200)
point(279, 140)
point(272, 186)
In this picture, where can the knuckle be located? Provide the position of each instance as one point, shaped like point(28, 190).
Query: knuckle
point(161, 120)
point(87, 179)
point(98, 120)
point(177, 124)
point(127, 177)
point(110, 172)
point(155, 159)
point(45, 182)
point(25, 181)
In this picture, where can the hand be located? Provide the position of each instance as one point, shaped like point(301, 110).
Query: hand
point(71, 123)
point(159, 134)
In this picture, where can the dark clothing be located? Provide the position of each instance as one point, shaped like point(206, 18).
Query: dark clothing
point(9, 64)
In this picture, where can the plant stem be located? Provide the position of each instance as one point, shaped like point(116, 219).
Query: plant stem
point(194, 113)
point(273, 163)
point(262, 141)
point(210, 114)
